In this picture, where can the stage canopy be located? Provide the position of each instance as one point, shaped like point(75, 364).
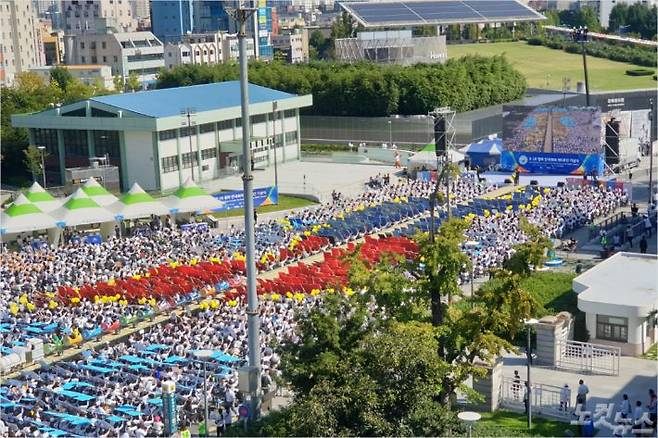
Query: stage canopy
point(493, 146)
point(428, 160)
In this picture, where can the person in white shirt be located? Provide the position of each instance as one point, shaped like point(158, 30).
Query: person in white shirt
point(565, 397)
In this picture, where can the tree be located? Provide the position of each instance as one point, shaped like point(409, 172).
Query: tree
point(61, 76)
point(530, 253)
point(585, 17)
point(424, 31)
point(133, 83)
point(118, 83)
point(32, 161)
point(618, 17)
point(318, 45)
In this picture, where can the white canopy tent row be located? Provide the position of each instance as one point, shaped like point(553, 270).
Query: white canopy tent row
point(89, 205)
point(427, 160)
point(44, 200)
point(23, 216)
point(190, 198)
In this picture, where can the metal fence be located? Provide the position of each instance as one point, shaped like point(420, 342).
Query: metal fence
point(545, 398)
point(586, 357)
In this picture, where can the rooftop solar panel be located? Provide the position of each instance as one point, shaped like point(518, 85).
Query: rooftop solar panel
point(414, 13)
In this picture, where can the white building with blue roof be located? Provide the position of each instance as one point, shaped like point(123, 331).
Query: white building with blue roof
point(147, 136)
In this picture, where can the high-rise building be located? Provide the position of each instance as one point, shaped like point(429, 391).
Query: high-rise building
point(170, 20)
point(21, 47)
point(96, 16)
point(205, 48)
point(141, 9)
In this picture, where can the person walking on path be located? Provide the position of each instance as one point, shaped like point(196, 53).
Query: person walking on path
point(565, 397)
point(581, 397)
point(643, 245)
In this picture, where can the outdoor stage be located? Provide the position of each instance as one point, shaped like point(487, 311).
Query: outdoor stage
point(543, 180)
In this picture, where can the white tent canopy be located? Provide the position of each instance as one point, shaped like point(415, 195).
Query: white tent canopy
point(23, 216)
point(137, 204)
point(190, 198)
point(428, 160)
point(98, 193)
point(80, 209)
point(42, 199)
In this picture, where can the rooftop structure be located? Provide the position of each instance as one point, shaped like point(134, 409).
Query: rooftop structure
point(438, 12)
point(619, 297)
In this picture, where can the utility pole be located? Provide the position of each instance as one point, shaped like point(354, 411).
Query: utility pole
point(579, 35)
point(241, 15)
point(188, 113)
point(275, 105)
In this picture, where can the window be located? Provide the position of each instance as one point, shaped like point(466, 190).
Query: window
point(93, 44)
point(289, 113)
point(95, 112)
point(170, 164)
point(167, 135)
point(94, 60)
point(75, 143)
point(82, 45)
point(291, 137)
point(612, 328)
point(238, 123)
point(225, 124)
point(104, 45)
point(82, 59)
point(80, 112)
point(187, 159)
point(207, 127)
point(209, 153)
point(116, 59)
point(104, 59)
point(258, 119)
point(186, 131)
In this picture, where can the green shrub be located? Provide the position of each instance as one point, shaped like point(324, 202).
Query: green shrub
point(325, 148)
point(631, 54)
point(372, 90)
point(639, 72)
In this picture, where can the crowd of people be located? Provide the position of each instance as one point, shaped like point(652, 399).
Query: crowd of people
point(121, 381)
point(127, 375)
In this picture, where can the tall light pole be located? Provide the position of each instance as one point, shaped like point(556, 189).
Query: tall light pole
point(529, 323)
point(651, 134)
point(390, 134)
point(579, 35)
point(203, 357)
point(188, 113)
point(241, 15)
point(275, 104)
point(42, 149)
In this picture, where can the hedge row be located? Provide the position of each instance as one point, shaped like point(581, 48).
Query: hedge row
point(373, 90)
point(599, 49)
point(639, 72)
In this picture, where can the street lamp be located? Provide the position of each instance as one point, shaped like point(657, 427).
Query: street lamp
point(275, 104)
point(43, 163)
point(529, 323)
point(651, 134)
point(579, 35)
point(188, 113)
point(203, 356)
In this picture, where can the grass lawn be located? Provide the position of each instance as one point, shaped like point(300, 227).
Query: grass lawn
point(544, 67)
point(285, 203)
point(553, 293)
point(652, 354)
point(504, 423)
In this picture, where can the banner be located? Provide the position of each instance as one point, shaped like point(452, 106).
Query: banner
point(556, 164)
point(235, 199)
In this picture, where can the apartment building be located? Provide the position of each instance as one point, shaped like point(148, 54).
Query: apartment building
point(96, 16)
point(21, 47)
point(205, 48)
point(126, 53)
